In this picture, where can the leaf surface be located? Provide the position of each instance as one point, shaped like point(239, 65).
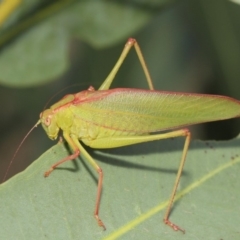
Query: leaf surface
point(137, 183)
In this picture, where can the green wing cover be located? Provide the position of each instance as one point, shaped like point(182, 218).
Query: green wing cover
point(136, 110)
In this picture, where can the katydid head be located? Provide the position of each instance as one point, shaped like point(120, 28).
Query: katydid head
point(47, 118)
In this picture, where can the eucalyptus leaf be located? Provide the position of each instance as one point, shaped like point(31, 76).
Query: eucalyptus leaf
point(137, 183)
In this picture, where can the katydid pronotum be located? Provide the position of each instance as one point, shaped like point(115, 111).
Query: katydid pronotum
point(109, 118)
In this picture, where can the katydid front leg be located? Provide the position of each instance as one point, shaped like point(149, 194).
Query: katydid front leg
point(76, 153)
point(77, 149)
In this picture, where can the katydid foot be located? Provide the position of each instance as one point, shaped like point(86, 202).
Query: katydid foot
point(47, 173)
point(173, 226)
point(100, 223)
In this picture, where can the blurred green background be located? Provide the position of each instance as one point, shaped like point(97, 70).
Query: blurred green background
point(46, 46)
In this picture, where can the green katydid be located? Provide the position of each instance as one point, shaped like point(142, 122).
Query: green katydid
point(109, 118)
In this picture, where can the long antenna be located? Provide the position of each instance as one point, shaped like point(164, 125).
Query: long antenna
point(19, 146)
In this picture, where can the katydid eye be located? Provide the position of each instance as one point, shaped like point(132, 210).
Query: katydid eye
point(47, 121)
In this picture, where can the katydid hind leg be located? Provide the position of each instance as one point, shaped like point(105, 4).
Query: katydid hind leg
point(129, 44)
point(179, 173)
point(125, 141)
